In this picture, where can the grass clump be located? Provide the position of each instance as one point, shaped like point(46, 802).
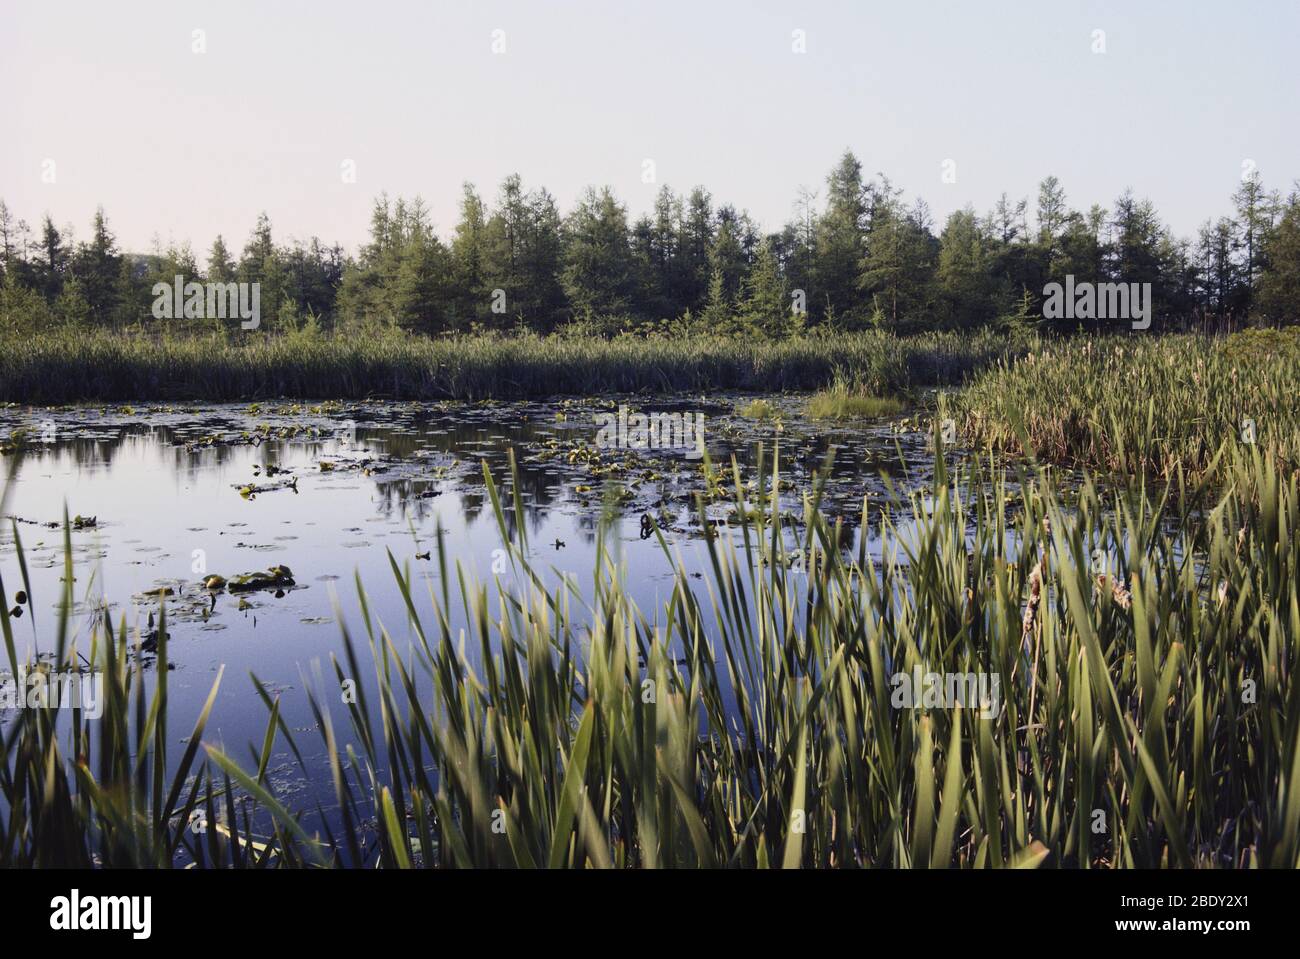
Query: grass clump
point(847, 399)
point(758, 409)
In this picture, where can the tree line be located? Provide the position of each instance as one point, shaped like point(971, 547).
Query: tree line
point(864, 257)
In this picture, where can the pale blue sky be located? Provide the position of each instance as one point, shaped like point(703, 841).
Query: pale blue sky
point(188, 145)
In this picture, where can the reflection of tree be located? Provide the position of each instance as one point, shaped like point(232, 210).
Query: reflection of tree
point(434, 459)
point(403, 497)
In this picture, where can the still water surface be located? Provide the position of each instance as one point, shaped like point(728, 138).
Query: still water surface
point(329, 490)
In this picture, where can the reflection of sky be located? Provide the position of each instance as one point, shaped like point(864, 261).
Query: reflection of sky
point(157, 503)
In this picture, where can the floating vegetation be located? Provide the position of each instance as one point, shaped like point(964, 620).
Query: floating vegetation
point(251, 490)
point(275, 577)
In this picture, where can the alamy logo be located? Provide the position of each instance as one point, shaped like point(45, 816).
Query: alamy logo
point(76, 912)
point(209, 301)
point(42, 688)
point(922, 690)
point(641, 431)
point(1098, 301)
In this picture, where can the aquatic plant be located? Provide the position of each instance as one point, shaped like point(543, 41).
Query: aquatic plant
point(1136, 404)
point(849, 398)
point(61, 367)
point(758, 409)
point(1143, 640)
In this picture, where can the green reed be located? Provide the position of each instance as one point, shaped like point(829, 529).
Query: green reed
point(1144, 638)
point(1140, 404)
point(65, 366)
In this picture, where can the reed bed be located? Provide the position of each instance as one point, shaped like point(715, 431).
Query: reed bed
point(1139, 404)
point(1147, 716)
point(71, 366)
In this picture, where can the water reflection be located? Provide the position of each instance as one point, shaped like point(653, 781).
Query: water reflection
point(179, 494)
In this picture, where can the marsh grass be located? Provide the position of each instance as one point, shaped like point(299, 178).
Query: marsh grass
point(1140, 405)
point(1145, 641)
point(63, 366)
point(758, 409)
point(848, 398)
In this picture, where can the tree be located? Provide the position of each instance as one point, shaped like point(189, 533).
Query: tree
point(1052, 212)
point(764, 308)
point(520, 254)
point(22, 309)
point(312, 273)
point(98, 267)
point(71, 305)
point(404, 277)
point(471, 299)
point(51, 262)
point(696, 239)
point(964, 277)
point(797, 246)
point(1278, 298)
point(8, 240)
point(421, 296)
point(898, 265)
point(1216, 254)
point(716, 315)
point(727, 253)
point(661, 278)
point(598, 266)
point(839, 240)
point(221, 268)
point(1256, 211)
point(260, 263)
point(1079, 251)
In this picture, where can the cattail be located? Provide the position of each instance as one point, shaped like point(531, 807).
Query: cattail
point(1118, 592)
point(1035, 595)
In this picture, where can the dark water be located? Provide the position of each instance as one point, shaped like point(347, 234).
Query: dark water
point(177, 494)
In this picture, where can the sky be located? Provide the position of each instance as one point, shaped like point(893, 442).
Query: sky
point(184, 135)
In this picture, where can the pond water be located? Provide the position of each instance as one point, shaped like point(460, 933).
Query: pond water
point(169, 495)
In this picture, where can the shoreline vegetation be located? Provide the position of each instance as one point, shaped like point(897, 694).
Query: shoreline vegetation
point(1141, 719)
point(1138, 405)
point(94, 366)
point(1128, 404)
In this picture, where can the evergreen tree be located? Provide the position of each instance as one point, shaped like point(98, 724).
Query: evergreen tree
point(599, 275)
point(97, 267)
point(965, 280)
point(51, 261)
point(898, 266)
point(727, 252)
point(1278, 297)
point(696, 240)
point(1052, 212)
point(221, 268)
point(717, 313)
point(1217, 250)
point(764, 308)
point(840, 241)
point(1255, 210)
point(472, 298)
